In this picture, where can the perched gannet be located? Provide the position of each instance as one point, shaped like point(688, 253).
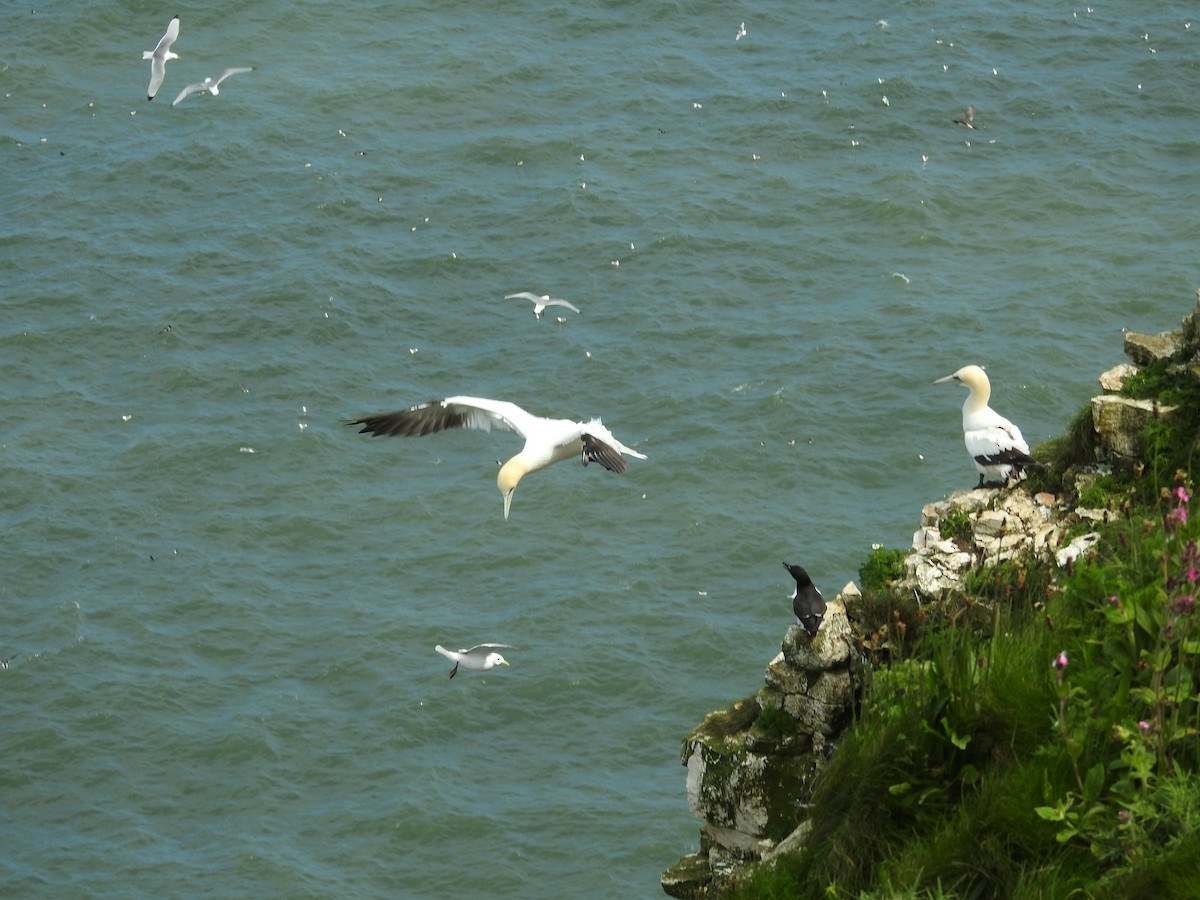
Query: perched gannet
point(480, 658)
point(546, 440)
point(968, 118)
point(807, 602)
point(541, 302)
point(159, 55)
point(994, 443)
point(210, 84)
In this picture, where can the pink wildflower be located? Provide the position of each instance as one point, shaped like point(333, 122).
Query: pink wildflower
point(1060, 661)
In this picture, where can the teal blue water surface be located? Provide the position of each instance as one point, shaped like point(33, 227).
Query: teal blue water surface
point(223, 602)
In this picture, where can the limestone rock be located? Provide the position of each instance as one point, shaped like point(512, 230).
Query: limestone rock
point(1144, 349)
point(1114, 379)
point(1120, 422)
point(750, 767)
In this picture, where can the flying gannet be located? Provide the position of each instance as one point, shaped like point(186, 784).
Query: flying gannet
point(994, 443)
point(159, 55)
point(480, 658)
point(807, 602)
point(546, 440)
point(210, 84)
point(541, 302)
point(968, 118)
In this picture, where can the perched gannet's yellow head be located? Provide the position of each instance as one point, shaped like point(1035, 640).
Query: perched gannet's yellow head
point(510, 474)
point(975, 380)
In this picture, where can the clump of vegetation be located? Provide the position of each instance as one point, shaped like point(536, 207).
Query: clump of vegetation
point(1042, 737)
point(955, 525)
point(882, 567)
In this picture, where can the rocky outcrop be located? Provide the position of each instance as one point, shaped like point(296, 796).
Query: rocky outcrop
point(751, 767)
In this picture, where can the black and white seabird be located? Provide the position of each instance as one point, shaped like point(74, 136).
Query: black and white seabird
point(159, 55)
point(968, 118)
point(479, 658)
point(547, 441)
point(807, 602)
point(994, 443)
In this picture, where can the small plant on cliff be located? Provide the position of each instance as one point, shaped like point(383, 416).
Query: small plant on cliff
point(882, 567)
point(955, 525)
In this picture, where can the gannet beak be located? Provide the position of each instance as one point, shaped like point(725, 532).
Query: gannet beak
point(946, 380)
point(507, 503)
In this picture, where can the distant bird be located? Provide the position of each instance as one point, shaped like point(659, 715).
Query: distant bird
point(968, 118)
point(807, 602)
point(479, 658)
point(546, 440)
point(210, 84)
point(540, 303)
point(994, 443)
point(159, 55)
point(4, 662)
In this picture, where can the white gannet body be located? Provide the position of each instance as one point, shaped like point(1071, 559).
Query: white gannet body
point(994, 443)
point(480, 658)
point(159, 55)
point(547, 441)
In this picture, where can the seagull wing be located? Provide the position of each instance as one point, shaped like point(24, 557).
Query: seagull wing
point(235, 70)
point(569, 306)
point(171, 36)
point(190, 89)
point(524, 295)
point(485, 649)
point(158, 71)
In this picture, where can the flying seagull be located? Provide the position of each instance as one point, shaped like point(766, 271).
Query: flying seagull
point(159, 55)
point(968, 118)
point(210, 84)
point(994, 443)
point(546, 440)
point(541, 302)
point(480, 658)
point(807, 602)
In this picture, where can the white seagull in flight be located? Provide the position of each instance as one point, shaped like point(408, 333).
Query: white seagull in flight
point(210, 84)
point(481, 657)
point(546, 440)
point(994, 443)
point(159, 55)
point(541, 302)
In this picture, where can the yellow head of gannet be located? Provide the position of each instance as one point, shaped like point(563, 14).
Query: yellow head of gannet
point(994, 443)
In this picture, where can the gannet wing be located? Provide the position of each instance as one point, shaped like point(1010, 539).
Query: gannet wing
point(595, 450)
point(476, 413)
point(999, 444)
